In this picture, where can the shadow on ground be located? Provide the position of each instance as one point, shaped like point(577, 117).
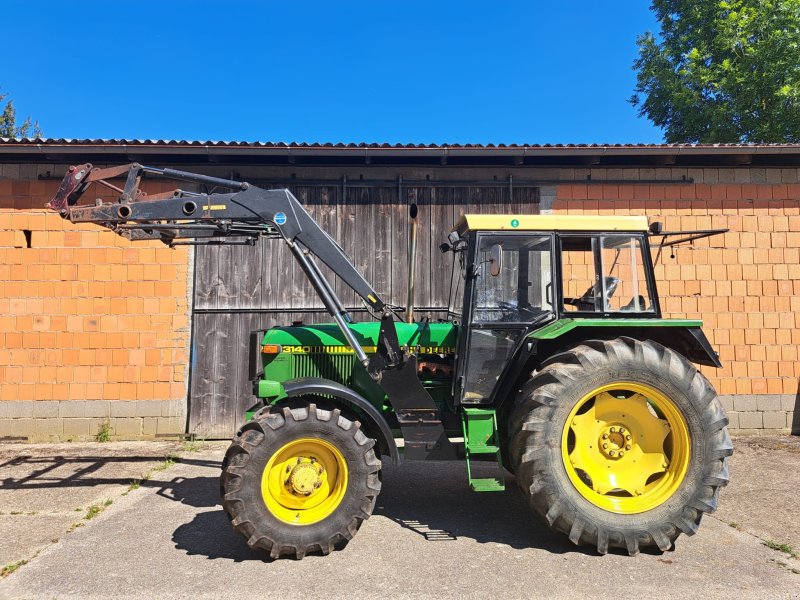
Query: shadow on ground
point(40, 472)
point(433, 500)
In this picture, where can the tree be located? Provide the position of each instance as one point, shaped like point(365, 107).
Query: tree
point(722, 71)
point(8, 122)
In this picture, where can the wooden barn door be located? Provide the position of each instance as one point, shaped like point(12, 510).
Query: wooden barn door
point(241, 289)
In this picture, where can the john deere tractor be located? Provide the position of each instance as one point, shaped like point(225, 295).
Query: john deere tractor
point(555, 363)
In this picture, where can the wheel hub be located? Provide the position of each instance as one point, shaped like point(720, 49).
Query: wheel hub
point(305, 477)
point(304, 481)
point(614, 441)
point(626, 447)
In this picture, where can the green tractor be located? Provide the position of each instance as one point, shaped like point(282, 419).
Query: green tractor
point(554, 363)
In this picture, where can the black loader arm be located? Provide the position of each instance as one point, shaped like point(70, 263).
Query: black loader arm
point(247, 211)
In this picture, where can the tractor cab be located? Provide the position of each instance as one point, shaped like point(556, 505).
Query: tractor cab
point(519, 274)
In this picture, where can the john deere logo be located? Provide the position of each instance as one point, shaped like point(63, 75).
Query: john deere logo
point(515, 222)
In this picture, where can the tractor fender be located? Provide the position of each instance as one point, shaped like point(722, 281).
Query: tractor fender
point(344, 395)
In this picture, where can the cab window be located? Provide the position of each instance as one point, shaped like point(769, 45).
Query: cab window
point(512, 278)
point(604, 273)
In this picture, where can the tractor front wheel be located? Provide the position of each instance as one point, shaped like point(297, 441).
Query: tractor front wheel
point(620, 443)
point(300, 480)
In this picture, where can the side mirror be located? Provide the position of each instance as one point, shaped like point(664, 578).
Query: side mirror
point(495, 260)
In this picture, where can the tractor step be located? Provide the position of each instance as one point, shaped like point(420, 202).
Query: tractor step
point(489, 484)
point(480, 437)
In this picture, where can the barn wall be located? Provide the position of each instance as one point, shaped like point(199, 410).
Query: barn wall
point(95, 330)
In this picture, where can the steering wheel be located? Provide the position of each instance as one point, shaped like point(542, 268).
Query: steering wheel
point(587, 301)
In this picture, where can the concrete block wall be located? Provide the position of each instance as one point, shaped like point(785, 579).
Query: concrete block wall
point(94, 330)
point(745, 284)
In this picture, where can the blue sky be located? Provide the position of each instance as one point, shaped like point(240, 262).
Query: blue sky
point(373, 71)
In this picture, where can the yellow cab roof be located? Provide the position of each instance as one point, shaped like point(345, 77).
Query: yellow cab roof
point(550, 223)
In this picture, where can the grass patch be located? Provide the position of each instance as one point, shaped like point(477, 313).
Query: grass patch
point(168, 462)
point(11, 567)
point(74, 526)
point(735, 525)
point(96, 509)
point(104, 433)
point(193, 445)
point(785, 548)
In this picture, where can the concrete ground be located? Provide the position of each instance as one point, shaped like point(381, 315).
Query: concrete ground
point(429, 536)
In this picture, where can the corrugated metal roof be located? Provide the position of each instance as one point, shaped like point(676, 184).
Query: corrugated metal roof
point(196, 152)
point(368, 145)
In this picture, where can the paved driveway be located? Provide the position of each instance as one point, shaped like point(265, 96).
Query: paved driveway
point(429, 536)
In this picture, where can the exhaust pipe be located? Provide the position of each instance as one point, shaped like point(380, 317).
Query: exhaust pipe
point(412, 263)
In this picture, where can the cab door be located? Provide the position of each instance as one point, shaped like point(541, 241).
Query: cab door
point(508, 291)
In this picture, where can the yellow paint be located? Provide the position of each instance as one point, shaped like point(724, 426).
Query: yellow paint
point(305, 481)
point(215, 206)
point(550, 223)
point(629, 451)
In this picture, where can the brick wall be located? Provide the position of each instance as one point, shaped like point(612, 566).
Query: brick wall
point(745, 284)
point(94, 330)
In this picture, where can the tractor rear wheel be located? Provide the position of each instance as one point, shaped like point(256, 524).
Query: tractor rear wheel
point(300, 480)
point(620, 444)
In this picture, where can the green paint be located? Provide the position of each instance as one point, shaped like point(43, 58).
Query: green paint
point(321, 351)
point(562, 326)
point(268, 388)
point(479, 426)
point(515, 223)
point(328, 334)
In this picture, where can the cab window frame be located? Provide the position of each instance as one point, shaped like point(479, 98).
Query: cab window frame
point(470, 291)
point(644, 243)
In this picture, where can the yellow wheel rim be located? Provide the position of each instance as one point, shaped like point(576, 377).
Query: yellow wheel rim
point(304, 481)
point(626, 447)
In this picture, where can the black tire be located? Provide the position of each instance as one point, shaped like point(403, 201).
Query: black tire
point(538, 423)
point(251, 450)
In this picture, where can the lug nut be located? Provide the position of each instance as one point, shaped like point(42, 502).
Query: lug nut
point(628, 437)
point(621, 454)
point(611, 453)
point(612, 429)
point(627, 447)
point(605, 446)
point(622, 430)
point(605, 436)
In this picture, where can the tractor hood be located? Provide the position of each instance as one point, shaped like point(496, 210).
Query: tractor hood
point(326, 338)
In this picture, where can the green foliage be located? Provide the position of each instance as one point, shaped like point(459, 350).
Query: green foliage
point(104, 433)
point(8, 122)
point(722, 71)
point(96, 509)
point(10, 568)
point(782, 548)
point(168, 462)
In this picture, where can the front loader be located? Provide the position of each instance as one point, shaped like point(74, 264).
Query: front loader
point(554, 362)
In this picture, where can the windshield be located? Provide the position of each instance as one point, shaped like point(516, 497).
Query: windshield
point(512, 278)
